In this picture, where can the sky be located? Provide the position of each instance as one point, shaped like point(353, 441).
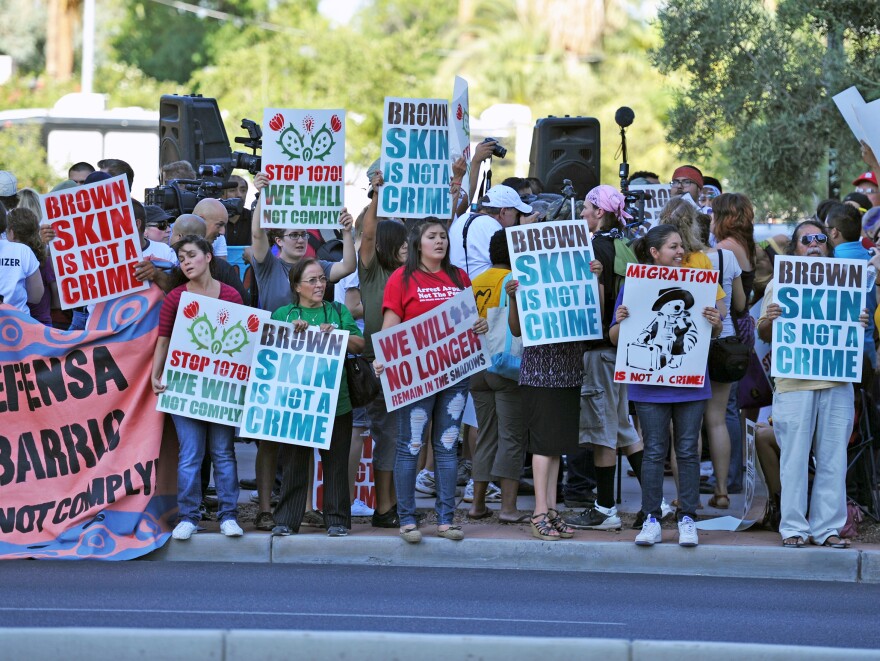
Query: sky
point(339, 11)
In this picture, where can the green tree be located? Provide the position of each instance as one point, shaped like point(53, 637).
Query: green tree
point(755, 87)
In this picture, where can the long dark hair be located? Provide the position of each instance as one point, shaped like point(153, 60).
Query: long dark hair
point(25, 226)
point(735, 218)
point(296, 274)
point(390, 235)
point(655, 238)
point(414, 254)
point(202, 244)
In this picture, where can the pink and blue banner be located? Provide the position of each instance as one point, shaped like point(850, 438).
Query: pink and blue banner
point(80, 439)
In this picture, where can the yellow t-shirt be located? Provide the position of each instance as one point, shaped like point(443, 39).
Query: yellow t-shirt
point(487, 289)
point(698, 260)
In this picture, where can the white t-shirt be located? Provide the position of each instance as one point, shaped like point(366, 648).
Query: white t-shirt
point(160, 252)
point(479, 234)
point(17, 263)
point(351, 281)
point(219, 246)
point(732, 270)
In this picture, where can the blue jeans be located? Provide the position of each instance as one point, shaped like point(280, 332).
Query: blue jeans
point(734, 429)
point(193, 437)
point(686, 418)
point(442, 410)
point(79, 319)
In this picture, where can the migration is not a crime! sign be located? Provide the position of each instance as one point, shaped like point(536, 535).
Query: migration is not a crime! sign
point(818, 335)
point(96, 245)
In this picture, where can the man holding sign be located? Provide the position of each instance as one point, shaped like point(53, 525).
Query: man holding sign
point(814, 314)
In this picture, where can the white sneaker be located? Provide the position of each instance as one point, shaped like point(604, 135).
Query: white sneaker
point(493, 493)
point(359, 508)
point(230, 528)
point(650, 534)
point(665, 509)
point(706, 469)
point(425, 483)
point(184, 530)
point(469, 492)
point(687, 532)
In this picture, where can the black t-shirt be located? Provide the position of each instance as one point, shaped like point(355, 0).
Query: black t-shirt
point(239, 233)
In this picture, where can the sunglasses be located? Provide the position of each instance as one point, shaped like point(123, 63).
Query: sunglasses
point(807, 239)
point(161, 225)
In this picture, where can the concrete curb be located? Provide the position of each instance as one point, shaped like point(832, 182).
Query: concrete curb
point(96, 644)
point(816, 564)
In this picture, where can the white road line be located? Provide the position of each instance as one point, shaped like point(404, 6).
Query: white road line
point(162, 611)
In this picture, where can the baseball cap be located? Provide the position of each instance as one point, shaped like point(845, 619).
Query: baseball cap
point(97, 175)
point(8, 184)
point(504, 196)
point(156, 214)
point(870, 177)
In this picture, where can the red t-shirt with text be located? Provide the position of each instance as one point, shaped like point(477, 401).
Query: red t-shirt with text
point(421, 292)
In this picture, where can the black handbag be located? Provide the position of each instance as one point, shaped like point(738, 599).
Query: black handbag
point(728, 357)
point(363, 384)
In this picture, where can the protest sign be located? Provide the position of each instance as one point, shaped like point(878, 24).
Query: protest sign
point(364, 482)
point(294, 385)
point(862, 118)
point(460, 126)
point(432, 351)
point(660, 195)
point(304, 158)
point(415, 158)
point(96, 243)
point(209, 359)
point(558, 296)
point(818, 335)
point(82, 474)
point(665, 339)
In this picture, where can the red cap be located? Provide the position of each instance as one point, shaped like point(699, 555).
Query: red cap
point(870, 177)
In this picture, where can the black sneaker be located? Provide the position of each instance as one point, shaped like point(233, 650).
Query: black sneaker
point(337, 531)
point(640, 520)
point(596, 518)
point(248, 484)
point(387, 520)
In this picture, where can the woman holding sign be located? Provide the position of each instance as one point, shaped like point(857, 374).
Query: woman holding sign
point(196, 255)
point(658, 405)
point(427, 280)
point(307, 284)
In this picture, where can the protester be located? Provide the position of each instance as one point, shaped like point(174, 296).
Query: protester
point(550, 382)
point(79, 171)
point(687, 180)
point(424, 282)
point(20, 280)
point(500, 447)
point(273, 281)
point(604, 408)
point(307, 284)
point(29, 199)
point(22, 227)
point(810, 415)
point(158, 224)
point(8, 190)
point(195, 256)
point(657, 406)
point(382, 251)
point(115, 167)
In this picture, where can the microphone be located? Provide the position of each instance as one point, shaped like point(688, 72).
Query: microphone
point(624, 116)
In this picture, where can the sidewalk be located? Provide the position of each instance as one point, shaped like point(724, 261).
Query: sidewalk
point(753, 553)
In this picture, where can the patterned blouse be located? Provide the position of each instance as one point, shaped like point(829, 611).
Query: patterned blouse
point(553, 365)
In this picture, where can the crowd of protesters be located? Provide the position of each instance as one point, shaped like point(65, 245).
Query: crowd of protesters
point(561, 404)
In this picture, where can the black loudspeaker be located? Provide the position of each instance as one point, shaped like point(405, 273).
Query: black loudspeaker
point(566, 148)
point(191, 129)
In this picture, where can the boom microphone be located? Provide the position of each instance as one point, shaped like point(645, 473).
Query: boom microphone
point(624, 116)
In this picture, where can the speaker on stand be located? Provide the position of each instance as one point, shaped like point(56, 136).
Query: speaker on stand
point(191, 129)
point(566, 148)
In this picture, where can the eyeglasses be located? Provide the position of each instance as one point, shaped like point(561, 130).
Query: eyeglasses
point(807, 239)
point(297, 236)
point(682, 182)
point(161, 225)
point(867, 190)
point(313, 282)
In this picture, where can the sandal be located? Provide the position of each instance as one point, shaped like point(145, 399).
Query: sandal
point(565, 531)
point(451, 532)
point(719, 501)
point(793, 543)
point(542, 529)
point(833, 542)
point(264, 521)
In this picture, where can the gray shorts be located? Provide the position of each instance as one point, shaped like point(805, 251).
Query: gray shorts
point(604, 404)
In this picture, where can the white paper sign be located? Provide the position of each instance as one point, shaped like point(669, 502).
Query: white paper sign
point(294, 385)
point(209, 359)
point(665, 339)
point(432, 351)
point(818, 335)
point(660, 195)
point(304, 158)
point(460, 124)
point(558, 296)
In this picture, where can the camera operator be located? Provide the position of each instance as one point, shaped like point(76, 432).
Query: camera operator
point(469, 236)
point(238, 230)
point(177, 170)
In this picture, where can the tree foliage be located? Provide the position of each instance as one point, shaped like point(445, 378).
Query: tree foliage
point(755, 85)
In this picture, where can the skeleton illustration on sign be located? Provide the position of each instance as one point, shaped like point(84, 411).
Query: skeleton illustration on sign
point(670, 335)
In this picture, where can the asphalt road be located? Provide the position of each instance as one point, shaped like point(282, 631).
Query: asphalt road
point(431, 600)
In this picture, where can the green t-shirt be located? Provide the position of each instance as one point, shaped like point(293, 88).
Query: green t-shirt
point(328, 313)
